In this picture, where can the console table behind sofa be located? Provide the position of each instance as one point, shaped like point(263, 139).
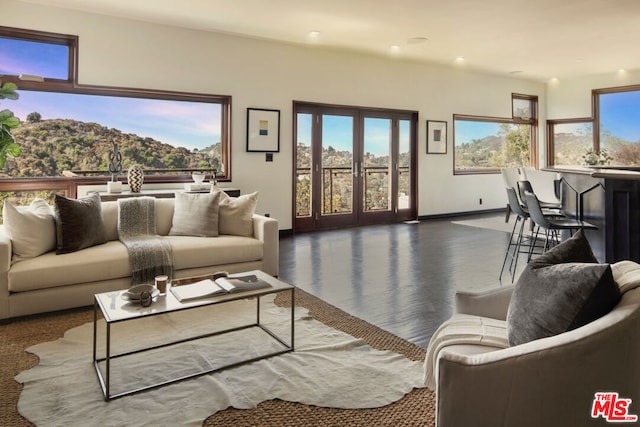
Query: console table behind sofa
point(160, 194)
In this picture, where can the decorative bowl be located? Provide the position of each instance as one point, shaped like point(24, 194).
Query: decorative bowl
point(134, 293)
point(198, 177)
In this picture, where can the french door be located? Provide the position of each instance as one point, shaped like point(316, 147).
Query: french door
point(354, 166)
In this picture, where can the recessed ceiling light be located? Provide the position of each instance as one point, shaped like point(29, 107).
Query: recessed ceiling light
point(313, 36)
point(417, 40)
point(459, 60)
point(394, 48)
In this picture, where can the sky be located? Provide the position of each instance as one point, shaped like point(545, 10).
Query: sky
point(337, 132)
point(179, 123)
point(467, 131)
point(620, 114)
point(40, 59)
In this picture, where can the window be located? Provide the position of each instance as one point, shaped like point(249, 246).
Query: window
point(569, 140)
point(613, 134)
point(27, 56)
point(70, 129)
point(73, 133)
point(486, 144)
point(618, 115)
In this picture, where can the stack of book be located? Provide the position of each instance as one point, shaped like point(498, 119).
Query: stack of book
point(193, 187)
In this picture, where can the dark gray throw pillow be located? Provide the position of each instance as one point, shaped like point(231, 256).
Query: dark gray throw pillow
point(78, 223)
point(574, 249)
point(561, 290)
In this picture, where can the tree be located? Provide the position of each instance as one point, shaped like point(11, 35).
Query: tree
point(34, 117)
point(517, 142)
point(8, 145)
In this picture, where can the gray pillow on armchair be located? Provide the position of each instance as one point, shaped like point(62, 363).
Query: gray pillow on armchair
point(561, 290)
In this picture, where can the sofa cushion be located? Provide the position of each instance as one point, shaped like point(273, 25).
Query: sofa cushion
point(78, 223)
point(196, 214)
point(194, 252)
point(110, 219)
point(97, 263)
point(164, 215)
point(110, 261)
point(562, 290)
point(32, 229)
point(236, 214)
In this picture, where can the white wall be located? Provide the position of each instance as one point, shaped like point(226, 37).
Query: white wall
point(270, 75)
point(569, 99)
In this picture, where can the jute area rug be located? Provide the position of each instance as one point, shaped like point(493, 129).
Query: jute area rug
point(417, 408)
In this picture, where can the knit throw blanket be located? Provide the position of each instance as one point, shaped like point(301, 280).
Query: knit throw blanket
point(150, 255)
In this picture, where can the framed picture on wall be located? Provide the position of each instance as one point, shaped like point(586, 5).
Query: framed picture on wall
point(436, 137)
point(263, 130)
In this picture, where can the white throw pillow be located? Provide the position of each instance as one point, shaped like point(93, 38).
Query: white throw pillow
point(195, 215)
point(236, 214)
point(32, 228)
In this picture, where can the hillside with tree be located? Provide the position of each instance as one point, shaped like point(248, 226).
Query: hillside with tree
point(50, 147)
point(337, 180)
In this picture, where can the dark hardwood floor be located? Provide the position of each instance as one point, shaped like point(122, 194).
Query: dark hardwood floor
point(400, 277)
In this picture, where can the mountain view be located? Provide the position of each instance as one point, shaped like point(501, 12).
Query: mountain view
point(492, 152)
point(50, 147)
point(337, 180)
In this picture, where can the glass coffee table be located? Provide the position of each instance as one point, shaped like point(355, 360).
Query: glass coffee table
point(115, 309)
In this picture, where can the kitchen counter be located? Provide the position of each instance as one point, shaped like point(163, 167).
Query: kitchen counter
point(610, 199)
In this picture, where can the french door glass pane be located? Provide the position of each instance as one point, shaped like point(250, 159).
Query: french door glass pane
point(304, 160)
point(376, 179)
point(337, 164)
point(404, 164)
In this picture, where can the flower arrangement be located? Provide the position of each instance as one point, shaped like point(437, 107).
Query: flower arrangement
point(597, 158)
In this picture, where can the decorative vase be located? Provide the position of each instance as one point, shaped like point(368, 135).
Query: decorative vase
point(135, 178)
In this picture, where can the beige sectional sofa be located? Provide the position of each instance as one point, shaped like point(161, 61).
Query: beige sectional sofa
point(51, 281)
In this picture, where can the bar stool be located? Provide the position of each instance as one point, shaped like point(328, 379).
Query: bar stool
point(552, 225)
point(524, 186)
point(517, 239)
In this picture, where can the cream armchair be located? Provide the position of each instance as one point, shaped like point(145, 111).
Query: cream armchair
point(480, 381)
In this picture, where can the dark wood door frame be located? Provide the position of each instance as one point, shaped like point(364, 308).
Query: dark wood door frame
point(358, 216)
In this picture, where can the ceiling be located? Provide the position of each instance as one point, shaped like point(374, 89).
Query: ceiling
point(530, 39)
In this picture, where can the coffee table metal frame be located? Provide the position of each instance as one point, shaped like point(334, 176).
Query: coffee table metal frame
point(105, 302)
